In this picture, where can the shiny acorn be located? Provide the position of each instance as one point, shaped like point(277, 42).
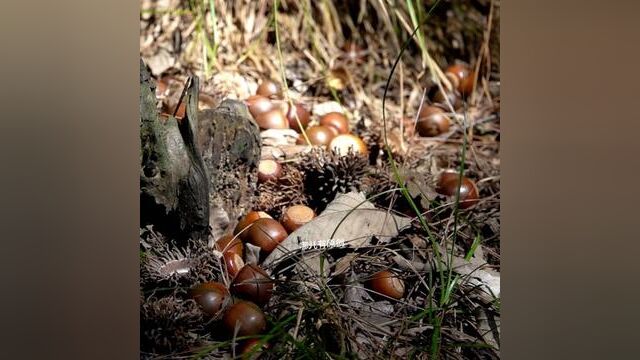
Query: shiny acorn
point(244, 224)
point(245, 317)
point(448, 184)
point(211, 296)
point(386, 283)
point(267, 234)
point(253, 283)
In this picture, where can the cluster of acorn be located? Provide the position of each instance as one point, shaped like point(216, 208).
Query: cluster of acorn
point(250, 283)
point(432, 118)
point(270, 111)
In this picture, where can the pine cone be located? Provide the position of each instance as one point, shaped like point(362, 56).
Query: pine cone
point(327, 174)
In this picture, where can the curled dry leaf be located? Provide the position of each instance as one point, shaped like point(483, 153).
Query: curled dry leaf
point(283, 152)
point(326, 107)
point(408, 264)
point(355, 294)
point(278, 137)
point(160, 62)
point(477, 275)
point(252, 255)
point(232, 84)
point(348, 221)
point(481, 276)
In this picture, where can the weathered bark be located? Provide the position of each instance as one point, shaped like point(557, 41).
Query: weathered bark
point(230, 148)
point(173, 182)
point(199, 174)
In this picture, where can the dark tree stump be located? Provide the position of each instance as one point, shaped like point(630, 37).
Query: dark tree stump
point(230, 147)
point(198, 174)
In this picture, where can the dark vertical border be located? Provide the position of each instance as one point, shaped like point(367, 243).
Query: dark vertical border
point(69, 180)
point(570, 125)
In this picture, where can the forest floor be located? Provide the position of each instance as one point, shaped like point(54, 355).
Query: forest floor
point(357, 58)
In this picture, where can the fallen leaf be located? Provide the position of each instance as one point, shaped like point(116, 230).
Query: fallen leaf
point(348, 221)
point(160, 61)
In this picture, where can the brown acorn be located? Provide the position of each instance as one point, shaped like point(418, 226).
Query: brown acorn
point(448, 184)
point(432, 121)
point(252, 346)
point(336, 120)
point(253, 283)
point(320, 135)
point(243, 225)
point(465, 77)
point(272, 119)
point(269, 88)
point(266, 234)
point(169, 110)
point(162, 88)
point(211, 296)
point(303, 116)
point(439, 97)
point(258, 105)
point(246, 317)
point(233, 263)
point(387, 283)
point(228, 243)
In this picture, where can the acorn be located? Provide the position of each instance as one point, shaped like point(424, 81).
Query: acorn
point(269, 170)
point(272, 119)
point(432, 121)
point(296, 216)
point(211, 296)
point(269, 88)
point(334, 131)
point(253, 283)
point(448, 185)
point(243, 225)
point(258, 104)
point(464, 76)
point(303, 116)
point(337, 78)
point(228, 243)
point(266, 234)
point(251, 348)
point(320, 135)
point(453, 79)
point(341, 145)
point(231, 249)
point(440, 97)
point(169, 109)
point(246, 317)
point(336, 120)
point(233, 263)
point(386, 283)
point(162, 88)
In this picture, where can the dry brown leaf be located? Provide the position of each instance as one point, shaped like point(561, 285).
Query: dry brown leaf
point(348, 221)
point(160, 61)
